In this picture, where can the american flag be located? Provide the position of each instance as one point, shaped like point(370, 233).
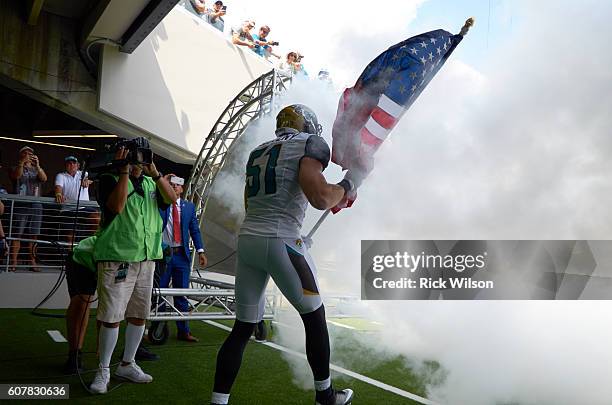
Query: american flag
point(387, 87)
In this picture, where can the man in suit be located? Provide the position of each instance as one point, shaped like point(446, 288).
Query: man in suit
point(179, 222)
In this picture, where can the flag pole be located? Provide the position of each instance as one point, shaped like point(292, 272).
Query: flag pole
point(318, 224)
point(466, 27)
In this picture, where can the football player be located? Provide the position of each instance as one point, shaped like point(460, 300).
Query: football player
point(283, 176)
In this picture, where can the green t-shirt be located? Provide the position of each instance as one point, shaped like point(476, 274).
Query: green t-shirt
point(83, 253)
point(135, 234)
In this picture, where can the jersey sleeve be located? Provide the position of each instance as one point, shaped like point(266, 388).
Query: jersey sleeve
point(316, 148)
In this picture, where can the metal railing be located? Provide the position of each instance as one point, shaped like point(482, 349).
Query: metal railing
point(40, 231)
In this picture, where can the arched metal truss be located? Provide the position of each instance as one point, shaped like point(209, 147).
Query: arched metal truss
point(251, 103)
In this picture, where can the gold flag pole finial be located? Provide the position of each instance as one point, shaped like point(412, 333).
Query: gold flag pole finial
point(466, 27)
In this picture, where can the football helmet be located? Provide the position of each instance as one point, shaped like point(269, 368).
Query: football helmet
point(300, 118)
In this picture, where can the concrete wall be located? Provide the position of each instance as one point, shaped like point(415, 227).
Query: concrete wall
point(42, 62)
point(178, 81)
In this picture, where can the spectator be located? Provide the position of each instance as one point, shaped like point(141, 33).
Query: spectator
point(28, 177)
point(2, 189)
point(129, 240)
point(3, 246)
point(288, 66)
point(70, 186)
point(214, 16)
point(299, 67)
point(199, 8)
point(69, 183)
point(241, 35)
point(323, 75)
point(263, 47)
point(180, 222)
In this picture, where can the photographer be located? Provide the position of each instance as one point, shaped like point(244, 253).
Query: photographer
point(28, 177)
point(215, 15)
point(127, 244)
point(263, 47)
point(298, 66)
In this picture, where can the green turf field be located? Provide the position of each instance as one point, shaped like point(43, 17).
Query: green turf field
point(185, 372)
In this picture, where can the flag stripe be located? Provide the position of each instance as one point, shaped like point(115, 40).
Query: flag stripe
point(390, 106)
point(385, 120)
point(368, 138)
point(376, 129)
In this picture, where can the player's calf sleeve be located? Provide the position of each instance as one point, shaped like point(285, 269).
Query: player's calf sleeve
point(230, 356)
point(317, 344)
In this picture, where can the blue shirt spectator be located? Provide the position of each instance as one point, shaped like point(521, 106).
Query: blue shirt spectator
point(263, 47)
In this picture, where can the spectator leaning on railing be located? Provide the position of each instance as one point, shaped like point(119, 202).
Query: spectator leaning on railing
point(69, 183)
point(127, 244)
point(299, 67)
point(288, 66)
point(214, 16)
point(70, 186)
point(199, 8)
point(3, 245)
point(241, 35)
point(28, 177)
point(263, 47)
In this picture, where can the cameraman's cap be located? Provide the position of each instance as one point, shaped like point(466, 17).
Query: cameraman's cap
point(26, 148)
point(70, 159)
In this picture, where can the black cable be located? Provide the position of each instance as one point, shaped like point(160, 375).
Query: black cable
point(43, 72)
point(62, 275)
point(51, 90)
point(220, 261)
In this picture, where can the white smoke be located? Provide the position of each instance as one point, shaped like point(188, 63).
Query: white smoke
point(515, 150)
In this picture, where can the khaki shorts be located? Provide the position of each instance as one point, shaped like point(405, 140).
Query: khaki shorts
point(124, 290)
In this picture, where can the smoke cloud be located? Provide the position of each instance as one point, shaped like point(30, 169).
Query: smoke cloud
point(517, 149)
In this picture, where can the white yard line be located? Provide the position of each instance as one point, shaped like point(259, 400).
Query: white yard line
point(342, 370)
point(57, 336)
point(341, 325)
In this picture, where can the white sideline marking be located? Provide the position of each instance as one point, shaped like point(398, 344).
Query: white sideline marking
point(342, 370)
point(341, 325)
point(57, 336)
point(328, 321)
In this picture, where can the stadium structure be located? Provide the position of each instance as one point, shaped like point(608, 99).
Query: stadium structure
point(74, 76)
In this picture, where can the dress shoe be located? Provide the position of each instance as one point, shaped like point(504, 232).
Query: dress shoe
point(144, 354)
point(187, 337)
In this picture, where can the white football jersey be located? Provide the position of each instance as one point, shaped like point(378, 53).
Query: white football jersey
point(275, 202)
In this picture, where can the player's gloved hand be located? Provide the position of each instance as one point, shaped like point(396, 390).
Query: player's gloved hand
point(351, 181)
point(354, 178)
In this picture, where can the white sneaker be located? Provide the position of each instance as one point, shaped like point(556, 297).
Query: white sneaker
point(100, 381)
point(133, 373)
